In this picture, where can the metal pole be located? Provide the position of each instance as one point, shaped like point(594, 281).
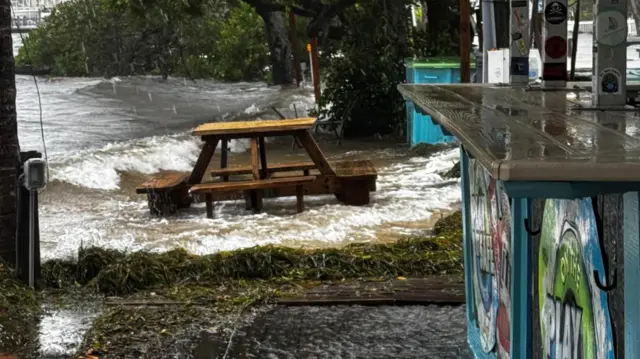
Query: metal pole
point(520, 42)
point(465, 41)
point(32, 227)
point(488, 34)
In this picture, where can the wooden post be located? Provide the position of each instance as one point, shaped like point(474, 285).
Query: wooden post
point(294, 45)
point(315, 68)
point(465, 41)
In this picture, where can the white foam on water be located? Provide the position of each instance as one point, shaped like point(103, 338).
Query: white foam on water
point(411, 191)
point(61, 331)
point(252, 110)
point(98, 169)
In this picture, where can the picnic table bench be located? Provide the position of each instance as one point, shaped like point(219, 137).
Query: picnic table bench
point(209, 188)
point(551, 215)
point(246, 170)
point(351, 181)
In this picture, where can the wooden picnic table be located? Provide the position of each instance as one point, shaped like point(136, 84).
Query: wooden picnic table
point(351, 182)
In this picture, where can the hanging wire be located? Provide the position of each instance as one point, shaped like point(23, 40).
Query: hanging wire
point(35, 81)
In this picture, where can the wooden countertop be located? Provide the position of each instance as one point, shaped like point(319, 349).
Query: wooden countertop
point(521, 134)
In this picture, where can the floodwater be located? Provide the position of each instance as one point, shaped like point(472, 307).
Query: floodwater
point(104, 137)
point(344, 332)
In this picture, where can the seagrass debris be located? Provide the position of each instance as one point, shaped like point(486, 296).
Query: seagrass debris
point(450, 226)
point(19, 308)
point(113, 273)
point(141, 270)
point(173, 296)
point(454, 172)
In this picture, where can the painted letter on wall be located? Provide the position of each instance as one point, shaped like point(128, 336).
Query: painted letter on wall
point(574, 314)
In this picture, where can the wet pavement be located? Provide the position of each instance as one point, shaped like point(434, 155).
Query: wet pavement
point(344, 332)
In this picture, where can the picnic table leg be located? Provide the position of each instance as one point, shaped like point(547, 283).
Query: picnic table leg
point(263, 159)
point(248, 200)
point(255, 167)
point(300, 198)
point(223, 157)
point(256, 198)
point(203, 161)
point(209, 199)
point(310, 145)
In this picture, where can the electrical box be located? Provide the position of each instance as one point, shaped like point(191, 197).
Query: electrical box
point(35, 174)
point(498, 66)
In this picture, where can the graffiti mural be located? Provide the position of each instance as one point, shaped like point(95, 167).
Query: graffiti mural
point(574, 314)
point(501, 239)
point(491, 265)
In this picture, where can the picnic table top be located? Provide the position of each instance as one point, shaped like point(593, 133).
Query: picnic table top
point(252, 127)
point(521, 134)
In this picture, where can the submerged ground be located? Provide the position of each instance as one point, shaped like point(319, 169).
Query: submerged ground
point(145, 305)
point(126, 293)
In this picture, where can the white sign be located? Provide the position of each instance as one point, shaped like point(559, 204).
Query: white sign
point(614, 31)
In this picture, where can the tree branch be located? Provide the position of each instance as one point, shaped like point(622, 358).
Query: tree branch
point(327, 13)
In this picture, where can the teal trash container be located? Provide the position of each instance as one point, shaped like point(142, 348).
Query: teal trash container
point(436, 70)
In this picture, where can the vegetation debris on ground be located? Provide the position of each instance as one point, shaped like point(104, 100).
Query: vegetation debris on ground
point(19, 309)
point(159, 303)
point(454, 172)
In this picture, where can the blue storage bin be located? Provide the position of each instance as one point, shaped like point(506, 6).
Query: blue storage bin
point(421, 128)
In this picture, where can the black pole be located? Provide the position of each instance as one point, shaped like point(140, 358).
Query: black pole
point(502, 18)
point(22, 245)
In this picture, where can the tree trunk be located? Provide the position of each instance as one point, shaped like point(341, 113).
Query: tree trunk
point(9, 146)
point(280, 51)
point(398, 16)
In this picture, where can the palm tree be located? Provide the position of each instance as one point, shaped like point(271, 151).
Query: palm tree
point(9, 146)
